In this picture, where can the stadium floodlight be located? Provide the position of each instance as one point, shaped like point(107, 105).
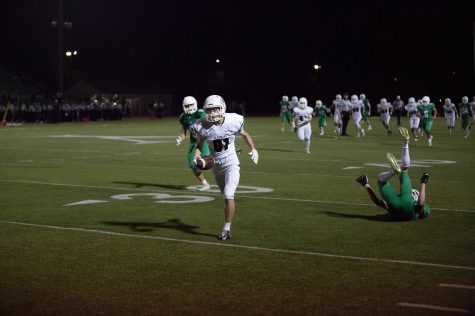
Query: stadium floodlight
point(317, 67)
point(69, 53)
point(217, 61)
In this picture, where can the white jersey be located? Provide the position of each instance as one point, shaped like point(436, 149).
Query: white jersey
point(384, 109)
point(357, 109)
point(411, 109)
point(449, 110)
point(303, 115)
point(221, 137)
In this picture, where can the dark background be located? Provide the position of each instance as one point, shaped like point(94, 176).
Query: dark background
point(266, 48)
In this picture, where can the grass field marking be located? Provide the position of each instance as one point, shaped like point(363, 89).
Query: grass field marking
point(435, 307)
point(224, 244)
point(241, 196)
point(458, 286)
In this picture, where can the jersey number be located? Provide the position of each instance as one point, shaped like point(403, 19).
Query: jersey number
point(220, 144)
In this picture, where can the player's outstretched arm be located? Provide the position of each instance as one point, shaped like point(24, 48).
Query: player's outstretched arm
point(248, 139)
point(363, 180)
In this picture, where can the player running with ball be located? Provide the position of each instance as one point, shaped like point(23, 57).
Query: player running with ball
point(220, 129)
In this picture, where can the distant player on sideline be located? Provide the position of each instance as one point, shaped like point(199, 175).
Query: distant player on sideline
point(465, 115)
point(409, 204)
point(366, 111)
point(285, 112)
point(450, 113)
point(220, 129)
point(321, 111)
point(414, 119)
point(302, 118)
point(190, 115)
point(385, 110)
point(426, 112)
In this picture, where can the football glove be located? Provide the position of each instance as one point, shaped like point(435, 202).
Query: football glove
point(425, 178)
point(254, 156)
point(363, 180)
point(179, 140)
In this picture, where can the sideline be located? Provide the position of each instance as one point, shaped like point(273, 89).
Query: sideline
point(228, 245)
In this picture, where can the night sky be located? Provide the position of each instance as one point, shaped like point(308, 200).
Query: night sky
point(266, 48)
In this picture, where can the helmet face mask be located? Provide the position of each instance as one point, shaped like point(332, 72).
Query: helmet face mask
point(318, 104)
point(465, 100)
point(354, 99)
point(214, 107)
point(190, 105)
point(425, 100)
point(303, 103)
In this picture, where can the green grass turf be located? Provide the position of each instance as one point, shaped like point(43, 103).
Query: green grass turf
point(314, 245)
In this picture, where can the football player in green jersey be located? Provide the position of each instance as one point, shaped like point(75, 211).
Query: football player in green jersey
point(366, 111)
point(190, 115)
point(426, 111)
point(321, 111)
point(409, 204)
point(465, 114)
point(285, 112)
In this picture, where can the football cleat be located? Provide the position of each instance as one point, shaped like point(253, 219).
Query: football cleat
point(204, 187)
point(393, 163)
point(363, 180)
point(404, 133)
point(425, 178)
point(225, 235)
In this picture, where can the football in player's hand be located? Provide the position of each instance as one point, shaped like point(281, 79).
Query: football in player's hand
point(204, 163)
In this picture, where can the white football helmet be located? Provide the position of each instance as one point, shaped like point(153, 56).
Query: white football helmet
point(212, 102)
point(318, 104)
point(447, 101)
point(338, 97)
point(465, 100)
point(190, 105)
point(295, 99)
point(425, 100)
point(354, 99)
point(303, 103)
point(285, 98)
point(362, 97)
point(411, 100)
point(383, 101)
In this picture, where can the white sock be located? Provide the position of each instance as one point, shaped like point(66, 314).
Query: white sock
point(204, 182)
point(405, 158)
point(307, 144)
point(385, 176)
point(227, 226)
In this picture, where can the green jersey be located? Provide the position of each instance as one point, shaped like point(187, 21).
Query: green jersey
point(426, 110)
point(465, 108)
point(186, 120)
point(365, 106)
point(284, 106)
point(322, 111)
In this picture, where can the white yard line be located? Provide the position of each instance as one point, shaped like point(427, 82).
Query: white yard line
point(225, 244)
point(458, 286)
point(435, 307)
point(191, 192)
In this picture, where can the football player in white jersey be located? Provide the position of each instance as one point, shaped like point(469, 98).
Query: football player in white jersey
point(302, 117)
point(450, 113)
point(336, 108)
point(414, 120)
point(385, 110)
point(357, 108)
point(220, 129)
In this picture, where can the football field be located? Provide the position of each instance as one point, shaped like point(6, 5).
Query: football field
point(104, 218)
